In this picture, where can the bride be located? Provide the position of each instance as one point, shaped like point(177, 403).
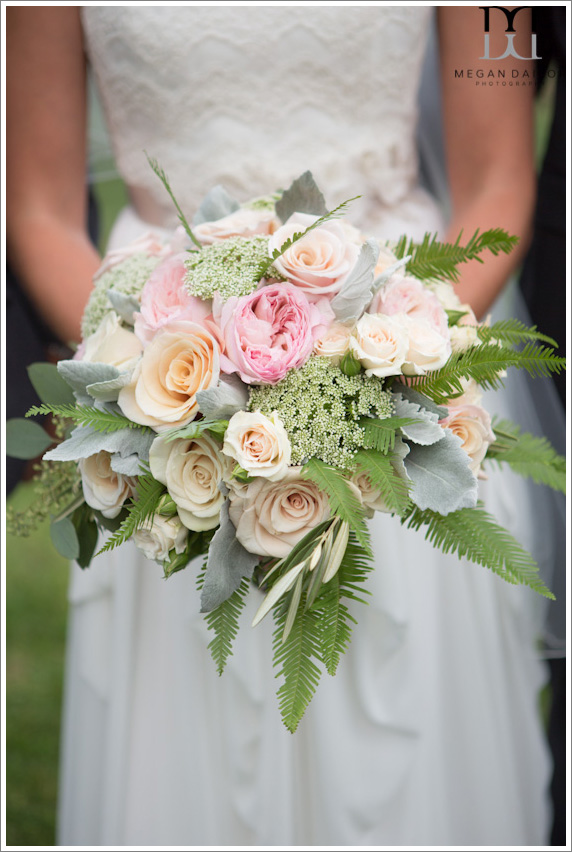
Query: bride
point(430, 732)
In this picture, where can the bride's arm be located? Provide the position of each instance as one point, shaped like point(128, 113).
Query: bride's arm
point(47, 241)
point(489, 144)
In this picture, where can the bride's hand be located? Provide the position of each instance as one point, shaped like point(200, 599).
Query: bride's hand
point(489, 142)
point(46, 199)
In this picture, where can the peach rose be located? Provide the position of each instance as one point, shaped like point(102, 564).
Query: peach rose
point(271, 517)
point(370, 494)
point(258, 443)
point(335, 342)
point(428, 349)
point(472, 424)
point(111, 344)
point(182, 359)
point(244, 222)
point(320, 262)
point(157, 538)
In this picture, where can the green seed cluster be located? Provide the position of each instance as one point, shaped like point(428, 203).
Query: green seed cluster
point(230, 267)
point(56, 485)
point(320, 408)
point(129, 276)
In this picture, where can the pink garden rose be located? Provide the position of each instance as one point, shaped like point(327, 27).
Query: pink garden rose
point(318, 263)
point(164, 299)
point(404, 294)
point(270, 332)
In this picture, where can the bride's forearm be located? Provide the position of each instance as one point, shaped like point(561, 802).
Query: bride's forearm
point(55, 265)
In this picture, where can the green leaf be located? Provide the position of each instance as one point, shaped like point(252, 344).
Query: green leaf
point(343, 501)
point(195, 430)
point(475, 535)
point(26, 439)
point(165, 181)
point(293, 657)
point(224, 622)
point(453, 317)
point(381, 472)
point(434, 259)
point(528, 455)
point(64, 538)
point(87, 534)
point(140, 511)
point(100, 419)
point(49, 385)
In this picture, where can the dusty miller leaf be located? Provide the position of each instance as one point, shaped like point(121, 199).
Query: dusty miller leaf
point(427, 430)
point(303, 196)
point(124, 305)
point(441, 477)
point(224, 400)
point(216, 205)
point(85, 441)
point(227, 563)
point(356, 291)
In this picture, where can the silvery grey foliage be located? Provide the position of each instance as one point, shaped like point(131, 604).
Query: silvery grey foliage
point(224, 400)
point(80, 374)
point(441, 477)
point(357, 290)
point(228, 562)
point(124, 305)
point(426, 430)
point(85, 441)
point(303, 196)
point(216, 204)
point(109, 391)
point(423, 401)
point(127, 465)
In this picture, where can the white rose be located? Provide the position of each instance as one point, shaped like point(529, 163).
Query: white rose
point(242, 223)
point(335, 342)
point(192, 471)
point(271, 517)
point(472, 393)
point(446, 294)
point(182, 359)
point(157, 539)
point(464, 334)
point(380, 344)
point(428, 349)
point(318, 263)
point(370, 495)
point(103, 488)
point(472, 424)
point(258, 443)
point(112, 344)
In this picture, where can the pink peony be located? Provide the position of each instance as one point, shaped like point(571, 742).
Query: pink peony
point(404, 294)
point(164, 299)
point(270, 332)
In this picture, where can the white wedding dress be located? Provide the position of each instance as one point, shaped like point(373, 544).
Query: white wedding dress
point(430, 732)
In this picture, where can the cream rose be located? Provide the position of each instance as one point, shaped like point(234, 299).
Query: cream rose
point(103, 488)
point(446, 294)
point(148, 244)
point(386, 258)
point(112, 344)
point(335, 342)
point(320, 262)
point(472, 424)
point(428, 349)
point(158, 538)
point(259, 444)
point(244, 222)
point(464, 334)
point(182, 359)
point(370, 494)
point(271, 517)
point(380, 344)
point(192, 471)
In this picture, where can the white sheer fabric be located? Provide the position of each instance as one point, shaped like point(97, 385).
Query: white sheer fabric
point(429, 733)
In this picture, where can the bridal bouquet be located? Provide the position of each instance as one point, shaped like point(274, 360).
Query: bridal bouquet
point(257, 389)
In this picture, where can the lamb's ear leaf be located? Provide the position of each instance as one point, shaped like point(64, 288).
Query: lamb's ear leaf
point(215, 205)
point(303, 196)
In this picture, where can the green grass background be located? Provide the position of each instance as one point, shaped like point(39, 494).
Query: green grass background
point(36, 585)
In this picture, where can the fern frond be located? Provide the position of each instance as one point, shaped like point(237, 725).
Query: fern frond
point(165, 181)
point(475, 535)
point(343, 501)
point(528, 455)
point(224, 622)
point(381, 473)
point(485, 364)
point(433, 259)
point(85, 415)
point(335, 617)
point(140, 511)
point(294, 657)
point(512, 332)
point(380, 434)
point(331, 214)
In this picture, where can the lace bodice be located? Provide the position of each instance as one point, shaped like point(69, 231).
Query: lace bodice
point(250, 97)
